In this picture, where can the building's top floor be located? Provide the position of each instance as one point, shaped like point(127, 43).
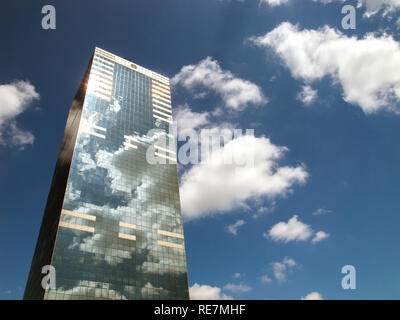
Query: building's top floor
point(132, 65)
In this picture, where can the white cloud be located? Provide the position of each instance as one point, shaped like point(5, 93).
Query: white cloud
point(319, 236)
point(237, 275)
point(313, 296)
point(365, 68)
point(307, 95)
point(233, 228)
point(15, 98)
point(321, 211)
point(289, 262)
point(274, 3)
point(265, 279)
point(372, 7)
point(186, 119)
point(205, 292)
point(237, 288)
point(375, 6)
point(293, 230)
point(217, 187)
point(281, 269)
point(236, 93)
point(19, 137)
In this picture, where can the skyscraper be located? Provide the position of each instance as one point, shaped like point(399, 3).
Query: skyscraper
point(112, 227)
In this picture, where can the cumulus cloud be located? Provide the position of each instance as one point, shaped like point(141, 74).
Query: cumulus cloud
point(237, 288)
point(294, 230)
point(205, 292)
point(365, 68)
point(15, 98)
point(265, 279)
point(233, 228)
point(313, 296)
point(217, 187)
point(307, 95)
point(319, 236)
point(321, 211)
point(187, 119)
point(372, 7)
point(274, 3)
point(281, 269)
point(236, 93)
point(19, 137)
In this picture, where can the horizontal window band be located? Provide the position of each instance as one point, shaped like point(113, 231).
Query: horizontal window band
point(105, 89)
point(164, 149)
point(168, 105)
point(93, 133)
point(101, 75)
point(162, 96)
point(101, 63)
point(170, 234)
point(102, 55)
point(78, 215)
point(161, 84)
point(99, 95)
point(99, 90)
point(162, 108)
point(103, 51)
point(160, 118)
point(159, 78)
point(88, 124)
point(104, 61)
point(164, 105)
point(157, 96)
point(76, 226)
point(93, 88)
point(129, 145)
point(105, 54)
point(107, 72)
point(96, 82)
point(171, 245)
point(127, 225)
point(160, 89)
point(131, 138)
point(99, 78)
point(126, 236)
point(164, 156)
point(160, 93)
point(163, 114)
point(101, 66)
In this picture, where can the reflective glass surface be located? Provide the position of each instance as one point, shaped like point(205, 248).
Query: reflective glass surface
point(120, 234)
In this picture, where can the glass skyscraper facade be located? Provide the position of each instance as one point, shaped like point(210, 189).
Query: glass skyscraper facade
point(112, 227)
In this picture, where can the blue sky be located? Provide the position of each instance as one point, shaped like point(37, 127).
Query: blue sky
point(329, 96)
